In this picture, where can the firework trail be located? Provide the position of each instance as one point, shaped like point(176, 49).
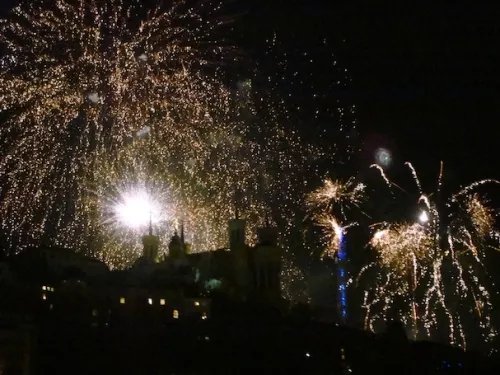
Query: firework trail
point(329, 205)
point(82, 79)
point(202, 197)
point(99, 99)
point(434, 266)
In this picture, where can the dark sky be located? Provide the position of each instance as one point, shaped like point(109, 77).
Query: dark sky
point(425, 80)
point(428, 81)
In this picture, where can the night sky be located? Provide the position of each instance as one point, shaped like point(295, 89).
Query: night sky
point(427, 81)
point(424, 80)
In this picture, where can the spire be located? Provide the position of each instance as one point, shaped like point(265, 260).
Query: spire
point(150, 243)
point(182, 231)
point(236, 205)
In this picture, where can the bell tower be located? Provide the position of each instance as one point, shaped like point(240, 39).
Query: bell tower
point(267, 261)
point(178, 248)
point(237, 232)
point(151, 244)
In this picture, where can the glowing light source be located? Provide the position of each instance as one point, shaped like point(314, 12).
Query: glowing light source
point(341, 277)
point(424, 217)
point(135, 88)
point(136, 209)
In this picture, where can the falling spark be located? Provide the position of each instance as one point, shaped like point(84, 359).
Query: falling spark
point(434, 267)
point(98, 97)
point(328, 206)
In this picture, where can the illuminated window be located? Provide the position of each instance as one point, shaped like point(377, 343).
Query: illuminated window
point(204, 316)
point(176, 314)
point(150, 301)
point(51, 306)
point(52, 289)
point(95, 312)
point(196, 303)
point(44, 287)
point(44, 296)
point(122, 300)
point(162, 301)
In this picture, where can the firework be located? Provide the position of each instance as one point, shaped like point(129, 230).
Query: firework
point(402, 247)
point(434, 272)
point(82, 79)
point(329, 205)
point(101, 100)
point(294, 285)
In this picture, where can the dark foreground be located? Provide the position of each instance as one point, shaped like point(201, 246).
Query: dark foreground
point(222, 347)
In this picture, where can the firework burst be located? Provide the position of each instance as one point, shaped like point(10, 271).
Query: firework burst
point(329, 205)
point(434, 273)
point(100, 99)
point(82, 79)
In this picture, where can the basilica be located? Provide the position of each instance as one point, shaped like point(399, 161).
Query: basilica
point(179, 285)
point(240, 270)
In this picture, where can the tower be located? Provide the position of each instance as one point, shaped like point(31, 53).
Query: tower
point(175, 247)
point(239, 253)
point(267, 262)
point(178, 248)
point(187, 246)
point(341, 277)
point(237, 229)
point(151, 244)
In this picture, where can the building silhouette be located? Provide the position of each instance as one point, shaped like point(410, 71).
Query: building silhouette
point(206, 313)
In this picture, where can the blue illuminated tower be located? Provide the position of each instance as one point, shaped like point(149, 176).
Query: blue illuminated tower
point(342, 277)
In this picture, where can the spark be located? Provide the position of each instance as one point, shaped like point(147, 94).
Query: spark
point(434, 267)
point(294, 286)
point(76, 88)
point(100, 98)
point(328, 206)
